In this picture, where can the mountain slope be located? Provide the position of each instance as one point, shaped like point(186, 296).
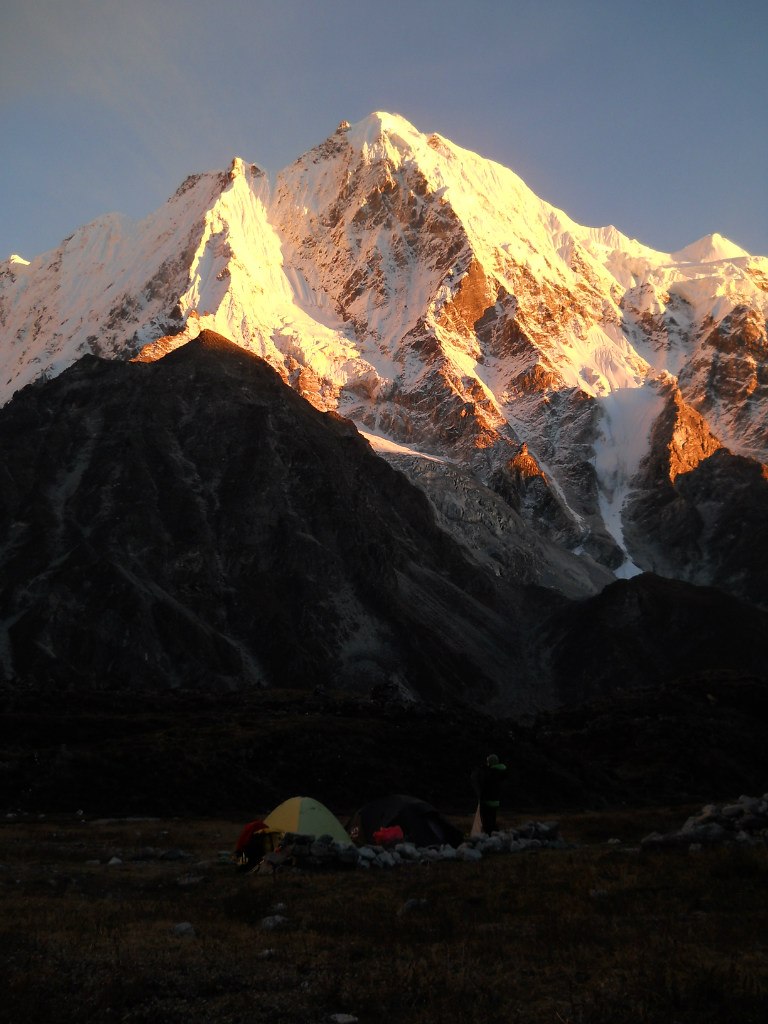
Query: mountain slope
point(429, 295)
point(194, 523)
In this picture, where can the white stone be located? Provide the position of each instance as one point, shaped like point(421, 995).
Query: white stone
point(468, 853)
point(407, 851)
point(429, 854)
point(273, 922)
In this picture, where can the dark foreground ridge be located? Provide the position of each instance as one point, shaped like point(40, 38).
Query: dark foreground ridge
point(691, 741)
point(192, 524)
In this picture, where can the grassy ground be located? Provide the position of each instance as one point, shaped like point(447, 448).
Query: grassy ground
point(598, 933)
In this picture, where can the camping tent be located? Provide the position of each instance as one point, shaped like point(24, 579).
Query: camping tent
point(420, 822)
point(306, 817)
point(256, 839)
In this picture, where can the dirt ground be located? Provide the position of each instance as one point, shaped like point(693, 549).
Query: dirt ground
point(147, 920)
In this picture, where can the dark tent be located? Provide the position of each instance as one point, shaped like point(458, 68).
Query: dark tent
point(420, 822)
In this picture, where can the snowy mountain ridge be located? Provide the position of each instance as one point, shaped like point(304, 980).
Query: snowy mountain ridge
point(429, 295)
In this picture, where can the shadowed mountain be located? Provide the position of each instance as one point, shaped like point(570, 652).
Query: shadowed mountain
point(193, 523)
point(649, 631)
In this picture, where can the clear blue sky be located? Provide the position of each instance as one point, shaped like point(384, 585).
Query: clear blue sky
point(651, 116)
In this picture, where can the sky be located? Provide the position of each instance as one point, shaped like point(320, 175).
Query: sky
point(649, 116)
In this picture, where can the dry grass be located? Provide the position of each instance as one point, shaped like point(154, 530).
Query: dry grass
point(598, 934)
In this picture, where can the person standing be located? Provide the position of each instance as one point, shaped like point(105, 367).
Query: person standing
point(488, 780)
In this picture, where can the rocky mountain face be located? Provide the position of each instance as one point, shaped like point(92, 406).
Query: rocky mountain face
point(698, 511)
point(192, 523)
point(611, 396)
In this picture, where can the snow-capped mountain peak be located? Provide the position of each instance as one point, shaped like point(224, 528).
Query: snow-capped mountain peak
point(430, 295)
point(710, 249)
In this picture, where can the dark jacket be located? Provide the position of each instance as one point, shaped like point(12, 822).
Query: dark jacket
point(488, 781)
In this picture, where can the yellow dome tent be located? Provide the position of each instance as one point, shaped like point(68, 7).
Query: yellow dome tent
point(306, 817)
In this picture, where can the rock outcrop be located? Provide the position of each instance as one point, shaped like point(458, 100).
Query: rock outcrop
point(696, 511)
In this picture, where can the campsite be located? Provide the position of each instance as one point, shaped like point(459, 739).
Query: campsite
point(127, 904)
